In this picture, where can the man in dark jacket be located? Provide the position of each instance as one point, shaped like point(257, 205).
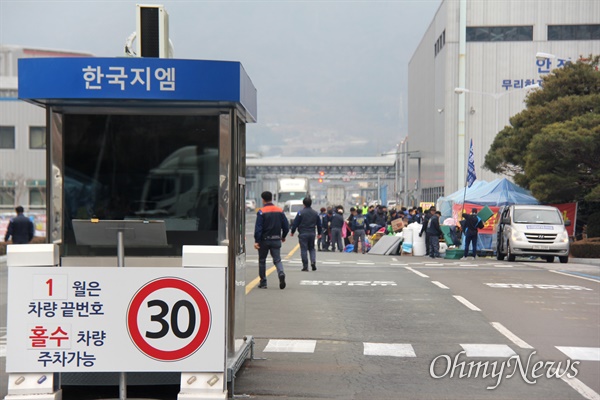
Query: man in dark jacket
point(359, 227)
point(471, 225)
point(305, 222)
point(337, 223)
point(20, 228)
point(269, 232)
point(426, 218)
point(433, 234)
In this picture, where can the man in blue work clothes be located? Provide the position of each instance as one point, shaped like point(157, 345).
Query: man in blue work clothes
point(305, 222)
point(359, 227)
point(337, 222)
point(20, 228)
point(471, 225)
point(269, 232)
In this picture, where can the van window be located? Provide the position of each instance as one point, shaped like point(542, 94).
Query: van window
point(524, 216)
point(296, 207)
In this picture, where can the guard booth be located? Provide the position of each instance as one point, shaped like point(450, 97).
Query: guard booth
point(146, 171)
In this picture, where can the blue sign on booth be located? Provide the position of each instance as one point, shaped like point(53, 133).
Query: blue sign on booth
point(68, 80)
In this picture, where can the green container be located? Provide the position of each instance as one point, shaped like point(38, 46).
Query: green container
point(454, 254)
point(485, 213)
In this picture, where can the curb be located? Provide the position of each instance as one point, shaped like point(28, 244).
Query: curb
point(588, 261)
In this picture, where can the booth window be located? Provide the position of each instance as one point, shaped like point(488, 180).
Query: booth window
point(7, 137)
point(37, 137)
point(143, 167)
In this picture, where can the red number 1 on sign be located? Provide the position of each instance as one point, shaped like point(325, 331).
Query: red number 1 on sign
point(49, 283)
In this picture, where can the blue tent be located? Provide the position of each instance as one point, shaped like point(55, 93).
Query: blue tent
point(500, 192)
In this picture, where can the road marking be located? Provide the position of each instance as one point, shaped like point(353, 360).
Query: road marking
point(511, 336)
point(502, 266)
point(440, 285)
point(388, 349)
point(256, 280)
point(579, 387)
point(290, 346)
point(330, 262)
point(399, 264)
point(467, 303)
point(488, 350)
point(581, 353)
point(576, 276)
point(394, 259)
point(364, 263)
point(417, 272)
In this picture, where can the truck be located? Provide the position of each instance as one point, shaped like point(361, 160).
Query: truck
point(336, 195)
point(530, 230)
point(291, 189)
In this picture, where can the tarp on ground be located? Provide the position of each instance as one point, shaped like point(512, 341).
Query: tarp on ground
point(499, 192)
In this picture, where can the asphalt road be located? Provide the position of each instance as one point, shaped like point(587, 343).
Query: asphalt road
point(383, 327)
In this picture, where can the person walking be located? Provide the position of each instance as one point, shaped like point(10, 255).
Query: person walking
point(20, 228)
point(270, 231)
point(305, 222)
point(359, 227)
point(337, 222)
point(470, 226)
point(433, 234)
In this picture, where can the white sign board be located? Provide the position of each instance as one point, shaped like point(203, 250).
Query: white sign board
point(75, 319)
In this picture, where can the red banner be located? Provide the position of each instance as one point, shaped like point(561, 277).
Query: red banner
point(490, 224)
point(568, 211)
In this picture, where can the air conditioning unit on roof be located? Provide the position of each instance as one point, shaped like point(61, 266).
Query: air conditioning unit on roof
point(152, 31)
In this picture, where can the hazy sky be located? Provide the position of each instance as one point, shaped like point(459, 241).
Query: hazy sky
point(323, 69)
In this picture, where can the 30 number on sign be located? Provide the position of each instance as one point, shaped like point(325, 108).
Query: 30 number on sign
point(168, 319)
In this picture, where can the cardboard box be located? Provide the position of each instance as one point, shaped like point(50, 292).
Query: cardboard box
point(397, 225)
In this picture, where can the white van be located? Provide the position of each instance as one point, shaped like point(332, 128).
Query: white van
point(291, 208)
point(527, 230)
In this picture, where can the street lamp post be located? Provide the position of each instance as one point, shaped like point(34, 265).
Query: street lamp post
point(496, 97)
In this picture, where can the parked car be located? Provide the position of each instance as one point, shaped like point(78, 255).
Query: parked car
point(529, 230)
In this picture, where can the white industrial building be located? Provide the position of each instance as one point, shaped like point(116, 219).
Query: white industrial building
point(488, 48)
point(22, 135)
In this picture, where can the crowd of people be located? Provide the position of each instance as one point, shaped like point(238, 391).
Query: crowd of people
point(332, 231)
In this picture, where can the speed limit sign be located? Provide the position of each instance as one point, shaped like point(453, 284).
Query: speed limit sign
point(168, 319)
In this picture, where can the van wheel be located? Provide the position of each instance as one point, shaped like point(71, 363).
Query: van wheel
point(511, 257)
point(564, 259)
point(550, 259)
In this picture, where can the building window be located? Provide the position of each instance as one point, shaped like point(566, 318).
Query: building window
point(7, 197)
point(499, 33)
point(7, 137)
point(37, 137)
point(574, 32)
point(440, 43)
point(37, 197)
point(431, 195)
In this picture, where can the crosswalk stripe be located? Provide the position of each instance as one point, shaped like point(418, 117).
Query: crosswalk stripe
point(389, 349)
point(487, 350)
point(581, 353)
point(290, 346)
